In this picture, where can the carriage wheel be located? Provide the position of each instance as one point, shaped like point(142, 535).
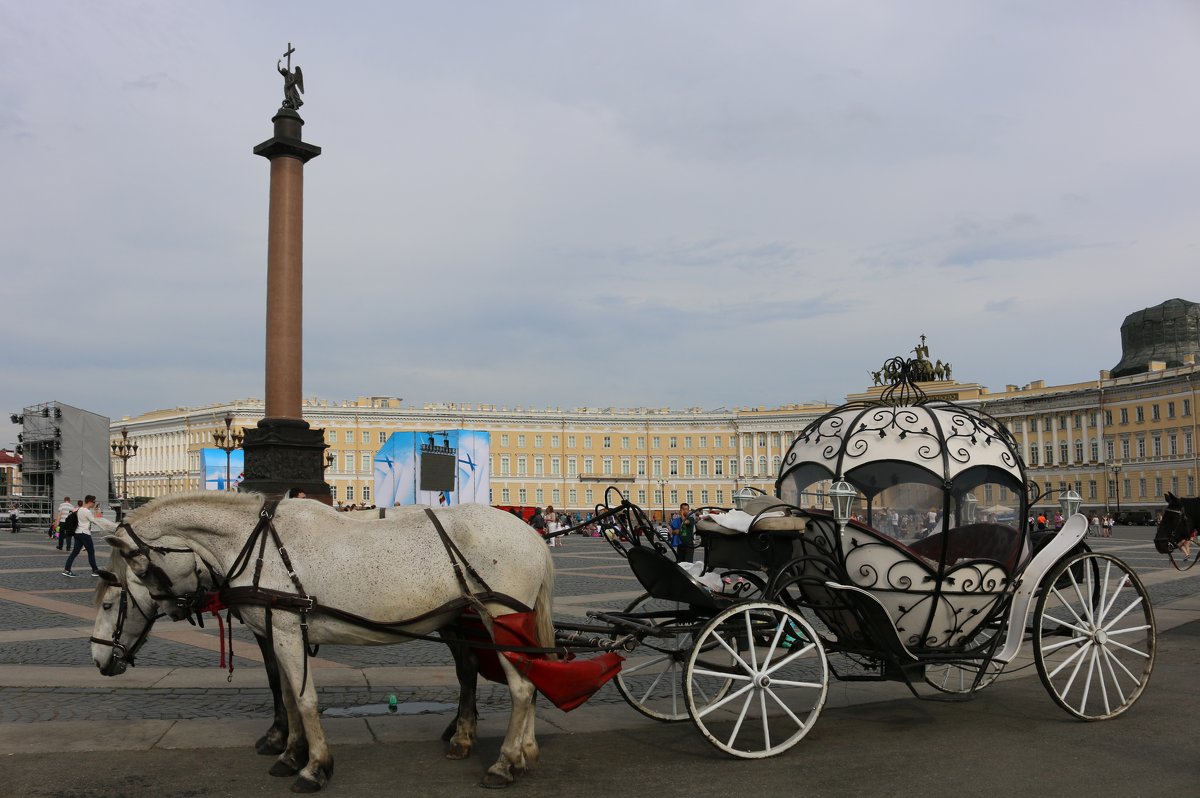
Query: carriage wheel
point(778, 676)
point(959, 677)
point(651, 681)
point(1094, 636)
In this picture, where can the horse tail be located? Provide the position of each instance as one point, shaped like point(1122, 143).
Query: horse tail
point(544, 607)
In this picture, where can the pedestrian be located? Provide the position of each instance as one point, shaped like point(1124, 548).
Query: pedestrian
point(551, 519)
point(66, 529)
point(1094, 526)
point(83, 536)
point(684, 525)
point(64, 509)
point(538, 521)
point(15, 520)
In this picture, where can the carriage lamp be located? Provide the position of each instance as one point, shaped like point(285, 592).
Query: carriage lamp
point(1069, 501)
point(970, 505)
point(744, 495)
point(842, 494)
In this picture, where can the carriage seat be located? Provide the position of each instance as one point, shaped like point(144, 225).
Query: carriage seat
point(763, 514)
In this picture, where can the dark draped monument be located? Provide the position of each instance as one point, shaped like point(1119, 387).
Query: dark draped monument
point(1164, 333)
point(283, 453)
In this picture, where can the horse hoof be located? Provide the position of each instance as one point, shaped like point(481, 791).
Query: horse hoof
point(283, 769)
point(303, 784)
point(493, 781)
point(450, 730)
point(458, 752)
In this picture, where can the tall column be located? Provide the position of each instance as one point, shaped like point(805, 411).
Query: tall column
point(282, 452)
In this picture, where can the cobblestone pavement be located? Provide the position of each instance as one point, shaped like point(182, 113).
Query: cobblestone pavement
point(45, 620)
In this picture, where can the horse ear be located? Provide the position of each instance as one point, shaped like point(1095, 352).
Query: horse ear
point(109, 577)
point(120, 543)
point(1171, 498)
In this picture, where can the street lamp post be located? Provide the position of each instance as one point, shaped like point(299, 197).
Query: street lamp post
point(662, 496)
point(124, 449)
point(228, 440)
point(1116, 469)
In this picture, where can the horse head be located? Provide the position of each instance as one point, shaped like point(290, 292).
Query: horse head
point(125, 613)
point(1175, 527)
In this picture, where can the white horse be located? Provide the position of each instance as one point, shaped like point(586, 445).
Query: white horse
point(381, 571)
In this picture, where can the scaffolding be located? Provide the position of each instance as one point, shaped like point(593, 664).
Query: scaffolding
point(64, 451)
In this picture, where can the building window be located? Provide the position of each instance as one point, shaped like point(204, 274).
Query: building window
point(1078, 451)
point(1049, 454)
point(587, 495)
point(626, 466)
point(571, 441)
point(717, 467)
point(505, 496)
point(720, 496)
point(607, 465)
point(539, 466)
point(687, 441)
point(333, 492)
point(556, 496)
point(537, 441)
point(733, 469)
point(383, 437)
point(1046, 424)
point(572, 466)
point(333, 462)
point(674, 497)
point(1108, 446)
point(656, 442)
point(521, 495)
point(658, 466)
point(704, 497)
point(1124, 415)
point(1187, 407)
point(1095, 451)
point(573, 496)
point(1062, 422)
point(689, 469)
point(366, 493)
point(749, 467)
point(350, 493)
point(504, 440)
point(624, 441)
point(1108, 417)
point(1156, 442)
point(587, 441)
point(554, 439)
point(333, 436)
point(1158, 491)
point(1127, 488)
point(607, 441)
point(1092, 489)
point(688, 497)
point(1172, 444)
point(522, 466)
point(1141, 414)
point(641, 466)
point(1125, 449)
point(1141, 447)
point(1142, 488)
point(1062, 452)
point(1078, 421)
point(703, 466)
point(641, 496)
point(641, 442)
point(673, 468)
point(1154, 413)
point(703, 441)
point(762, 466)
point(672, 442)
point(555, 466)
point(1033, 455)
point(521, 441)
point(589, 465)
point(539, 496)
point(505, 464)
point(366, 463)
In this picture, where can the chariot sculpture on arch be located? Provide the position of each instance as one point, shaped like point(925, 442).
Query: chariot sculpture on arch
point(293, 81)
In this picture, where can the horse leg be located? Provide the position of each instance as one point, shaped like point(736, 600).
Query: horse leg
point(463, 730)
point(295, 751)
point(275, 740)
point(290, 653)
point(513, 750)
point(529, 746)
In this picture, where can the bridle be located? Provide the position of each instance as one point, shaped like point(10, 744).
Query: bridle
point(187, 603)
point(121, 652)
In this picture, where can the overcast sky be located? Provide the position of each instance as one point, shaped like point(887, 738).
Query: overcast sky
point(605, 204)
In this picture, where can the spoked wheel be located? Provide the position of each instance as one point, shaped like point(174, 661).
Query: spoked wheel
point(959, 677)
point(778, 678)
point(1094, 636)
point(651, 681)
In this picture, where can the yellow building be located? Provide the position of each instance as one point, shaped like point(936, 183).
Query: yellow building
point(657, 458)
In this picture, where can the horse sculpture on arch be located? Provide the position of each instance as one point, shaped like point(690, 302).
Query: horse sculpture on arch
point(309, 575)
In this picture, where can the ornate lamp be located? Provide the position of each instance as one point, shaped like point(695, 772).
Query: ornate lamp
point(743, 495)
point(842, 494)
point(1069, 501)
point(970, 507)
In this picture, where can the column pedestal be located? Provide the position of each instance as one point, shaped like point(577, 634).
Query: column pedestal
point(282, 454)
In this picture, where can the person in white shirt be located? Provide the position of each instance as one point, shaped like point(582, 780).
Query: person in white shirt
point(83, 536)
point(64, 510)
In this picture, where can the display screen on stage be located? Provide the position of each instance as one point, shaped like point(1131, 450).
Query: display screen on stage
point(451, 468)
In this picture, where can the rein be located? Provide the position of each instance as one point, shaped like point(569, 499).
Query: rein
point(126, 653)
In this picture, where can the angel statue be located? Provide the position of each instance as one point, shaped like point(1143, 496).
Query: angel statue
point(293, 81)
